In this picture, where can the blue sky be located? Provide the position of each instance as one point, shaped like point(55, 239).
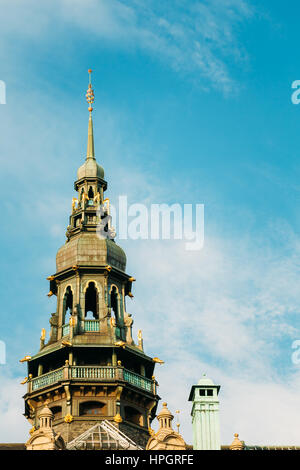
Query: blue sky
point(192, 105)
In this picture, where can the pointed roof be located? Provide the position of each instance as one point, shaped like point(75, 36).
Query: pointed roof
point(103, 436)
point(90, 168)
point(90, 100)
point(90, 153)
point(46, 412)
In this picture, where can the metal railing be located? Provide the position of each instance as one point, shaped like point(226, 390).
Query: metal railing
point(138, 380)
point(91, 325)
point(47, 379)
point(90, 372)
point(65, 330)
point(98, 373)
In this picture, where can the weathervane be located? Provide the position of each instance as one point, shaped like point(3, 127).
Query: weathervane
point(90, 92)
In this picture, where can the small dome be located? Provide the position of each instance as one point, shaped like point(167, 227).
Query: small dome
point(46, 413)
point(115, 255)
point(205, 381)
point(90, 250)
point(165, 413)
point(90, 168)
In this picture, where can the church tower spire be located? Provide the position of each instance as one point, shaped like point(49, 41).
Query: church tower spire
point(91, 369)
point(90, 100)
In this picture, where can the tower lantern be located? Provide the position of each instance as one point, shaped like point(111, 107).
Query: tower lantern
point(205, 415)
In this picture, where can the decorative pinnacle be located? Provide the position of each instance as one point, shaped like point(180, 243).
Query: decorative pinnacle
point(90, 92)
point(178, 423)
point(90, 100)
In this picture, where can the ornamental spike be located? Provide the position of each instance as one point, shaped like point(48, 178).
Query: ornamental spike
point(90, 100)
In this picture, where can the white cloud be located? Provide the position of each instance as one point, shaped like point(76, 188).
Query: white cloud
point(193, 37)
point(223, 311)
point(199, 39)
point(13, 426)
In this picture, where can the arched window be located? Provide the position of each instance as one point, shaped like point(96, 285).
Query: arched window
point(116, 314)
point(91, 193)
point(91, 301)
point(133, 416)
point(114, 302)
point(81, 194)
point(57, 411)
point(67, 304)
point(92, 408)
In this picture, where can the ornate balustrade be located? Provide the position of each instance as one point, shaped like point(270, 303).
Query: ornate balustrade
point(90, 372)
point(98, 373)
point(47, 379)
point(91, 325)
point(86, 326)
point(65, 330)
point(138, 380)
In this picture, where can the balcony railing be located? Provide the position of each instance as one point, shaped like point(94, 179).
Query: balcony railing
point(138, 380)
point(91, 325)
point(98, 373)
point(86, 326)
point(47, 379)
point(65, 330)
point(88, 372)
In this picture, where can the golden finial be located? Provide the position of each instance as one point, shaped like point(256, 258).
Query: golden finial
point(237, 444)
point(90, 92)
point(178, 423)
